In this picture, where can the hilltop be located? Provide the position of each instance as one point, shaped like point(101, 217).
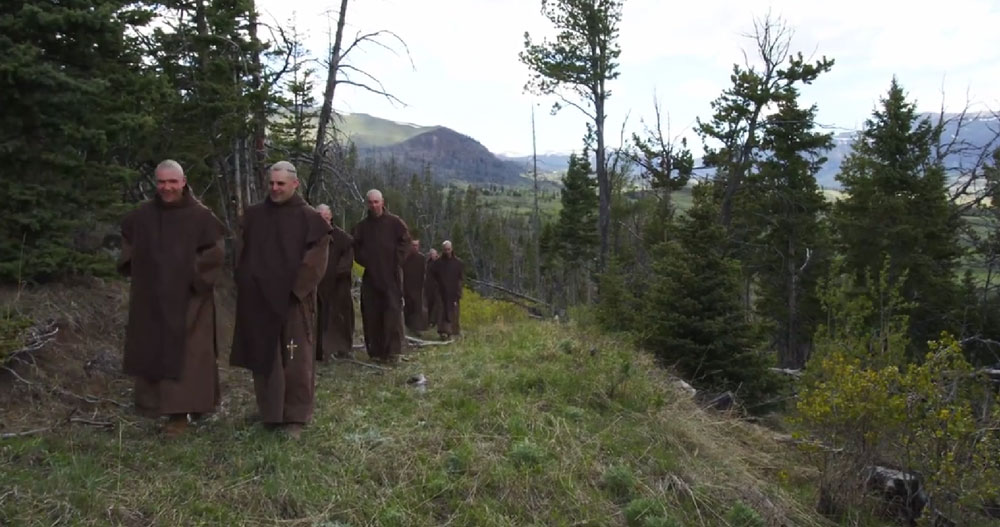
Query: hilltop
point(521, 422)
point(449, 155)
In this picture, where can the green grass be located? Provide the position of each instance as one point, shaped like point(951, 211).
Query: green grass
point(522, 423)
point(366, 130)
point(548, 207)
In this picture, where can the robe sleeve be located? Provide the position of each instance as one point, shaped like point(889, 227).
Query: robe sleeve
point(239, 242)
point(345, 256)
point(461, 278)
point(208, 265)
point(124, 264)
point(358, 243)
point(312, 269)
point(402, 242)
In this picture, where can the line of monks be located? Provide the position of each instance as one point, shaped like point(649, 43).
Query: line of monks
point(293, 305)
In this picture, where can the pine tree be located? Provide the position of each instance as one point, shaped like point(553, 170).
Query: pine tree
point(73, 146)
point(577, 66)
point(782, 207)
point(897, 209)
point(293, 129)
point(693, 319)
point(577, 225)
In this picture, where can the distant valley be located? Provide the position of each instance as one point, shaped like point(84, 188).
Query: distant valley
point(454, 157)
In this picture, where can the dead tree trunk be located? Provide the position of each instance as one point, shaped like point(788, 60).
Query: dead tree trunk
point(326, 113)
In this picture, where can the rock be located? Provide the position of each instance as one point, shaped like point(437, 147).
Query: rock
point(685, 387)
point(418, 381)
point(902, 492)
point(722, 402)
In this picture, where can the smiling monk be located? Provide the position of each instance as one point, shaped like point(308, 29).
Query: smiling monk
point(173, 250)
point(281, 260)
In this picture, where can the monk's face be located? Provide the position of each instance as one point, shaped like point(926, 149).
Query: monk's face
point(170, 184)
point(447, 250)
point(327, 215)
point(283, 186)
point(415, 246)
point(433, 254)
point(376, 204)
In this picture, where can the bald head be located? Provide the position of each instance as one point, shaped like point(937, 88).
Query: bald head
point(170, 181)
point(283, 181)
point(376, 204)
point(284, 166)
point(432, 254)
point(324, 210)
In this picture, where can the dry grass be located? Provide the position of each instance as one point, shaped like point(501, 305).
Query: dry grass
point(522, 423)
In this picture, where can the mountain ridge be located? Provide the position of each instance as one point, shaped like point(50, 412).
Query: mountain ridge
point(453, 156)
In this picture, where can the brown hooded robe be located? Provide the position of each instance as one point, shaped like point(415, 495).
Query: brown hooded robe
point(432, 294)
point(336, 305)
point(174, 253)
point(380, 244)
point(414, 309)
point(449, 274)
point(282, 258)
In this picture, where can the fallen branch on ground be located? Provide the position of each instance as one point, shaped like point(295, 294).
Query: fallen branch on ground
point(37, 338)
point(508, 291)
point(362, 363)
point(103, 424)
point(421, 343)
point(61, 391)
point(10, 435)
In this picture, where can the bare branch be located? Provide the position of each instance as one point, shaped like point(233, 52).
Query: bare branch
point(373, 38)
point(378, 91)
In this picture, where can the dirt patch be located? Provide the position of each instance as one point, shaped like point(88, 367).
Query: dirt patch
point(79, 372)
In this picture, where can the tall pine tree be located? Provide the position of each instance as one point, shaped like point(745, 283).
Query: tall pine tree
point(789, 248)
point(71, 142)
point(896, 208)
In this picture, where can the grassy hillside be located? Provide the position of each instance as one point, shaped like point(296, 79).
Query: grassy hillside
point(368, 131)
point(521, 423)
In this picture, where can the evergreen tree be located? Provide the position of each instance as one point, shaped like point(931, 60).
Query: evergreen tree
point(68, 145)
point(694, 320)
point(577, 67)
point(897, 208)
point(734, 133)
point(577, 225)
point(207, 121)
point(782, 206)
point(980, 301)
point(293, 129)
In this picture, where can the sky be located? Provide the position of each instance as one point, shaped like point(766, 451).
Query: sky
point(462, 69)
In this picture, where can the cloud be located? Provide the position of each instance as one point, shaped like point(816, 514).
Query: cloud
point(468, 77)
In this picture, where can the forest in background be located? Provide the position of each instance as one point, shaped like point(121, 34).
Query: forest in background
point(869, 321)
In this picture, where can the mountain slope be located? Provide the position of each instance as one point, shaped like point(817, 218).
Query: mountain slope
point(368, 131)
point(450, 156)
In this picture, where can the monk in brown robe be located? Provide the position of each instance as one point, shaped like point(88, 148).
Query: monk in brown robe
point(281, 260)
point(449, 274)
point(414, 309)
point(381, 242)
point(173, 249)
point(432, 292)
point(336, 305)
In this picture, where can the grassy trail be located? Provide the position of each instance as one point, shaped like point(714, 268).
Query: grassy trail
point(521, 423)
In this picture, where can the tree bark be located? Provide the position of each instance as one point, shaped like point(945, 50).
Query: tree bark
point(326, 113)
